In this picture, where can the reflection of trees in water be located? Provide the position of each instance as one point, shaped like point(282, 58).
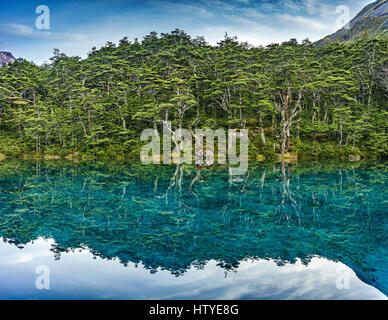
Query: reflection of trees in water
point(289, 203)
point(177, 217)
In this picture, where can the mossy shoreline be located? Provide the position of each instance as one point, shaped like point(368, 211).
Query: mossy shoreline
point(255, 157)
point(299, 151)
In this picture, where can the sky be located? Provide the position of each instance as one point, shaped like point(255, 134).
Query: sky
point(78, 25)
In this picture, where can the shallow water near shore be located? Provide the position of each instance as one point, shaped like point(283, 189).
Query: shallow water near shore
point(310, 230)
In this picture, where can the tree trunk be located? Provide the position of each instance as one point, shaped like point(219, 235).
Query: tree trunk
point(262, 134)
point(83, 125)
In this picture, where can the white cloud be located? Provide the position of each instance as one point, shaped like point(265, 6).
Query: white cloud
point(245, 22)
point(305, 23)
point(290, 4)
point(23, 31)
point(243, 1)
point(253, 13)
point(187, 8)
point(219, 5)
point(319, 8)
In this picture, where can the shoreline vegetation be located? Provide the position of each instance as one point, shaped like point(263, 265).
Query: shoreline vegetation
point(299, 101)
point(289, 157)
point(258, 158)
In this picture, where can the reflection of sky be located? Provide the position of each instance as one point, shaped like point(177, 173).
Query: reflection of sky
point(78, 275)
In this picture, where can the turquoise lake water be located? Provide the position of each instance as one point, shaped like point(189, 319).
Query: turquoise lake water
point(314, 230)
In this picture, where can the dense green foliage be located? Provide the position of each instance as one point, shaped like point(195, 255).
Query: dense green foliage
point(328, 101)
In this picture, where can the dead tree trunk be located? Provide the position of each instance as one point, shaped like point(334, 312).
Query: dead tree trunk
point(288, 111)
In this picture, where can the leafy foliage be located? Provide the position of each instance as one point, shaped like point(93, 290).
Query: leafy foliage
point(288, 95)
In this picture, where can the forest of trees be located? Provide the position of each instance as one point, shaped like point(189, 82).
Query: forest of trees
point(315, 101)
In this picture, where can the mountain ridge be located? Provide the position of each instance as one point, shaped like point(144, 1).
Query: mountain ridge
point(6, 57)
point(371, 21)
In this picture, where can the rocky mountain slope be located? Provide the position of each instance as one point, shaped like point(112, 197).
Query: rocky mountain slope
point(6, 57)
point(371, 21)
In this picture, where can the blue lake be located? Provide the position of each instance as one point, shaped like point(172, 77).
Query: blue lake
point(311, 230)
